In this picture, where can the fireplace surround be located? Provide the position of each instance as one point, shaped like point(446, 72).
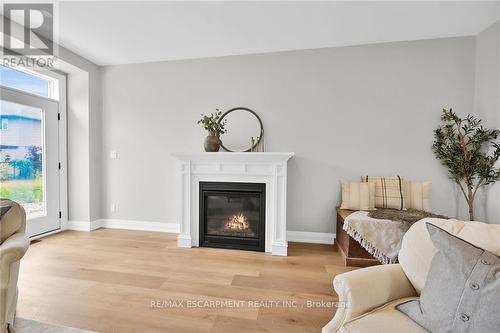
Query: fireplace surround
point(269, 168)
point(232, 215)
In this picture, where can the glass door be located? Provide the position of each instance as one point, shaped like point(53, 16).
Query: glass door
point(29, 157)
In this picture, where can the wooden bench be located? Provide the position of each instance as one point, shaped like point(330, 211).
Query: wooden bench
point(352, 252)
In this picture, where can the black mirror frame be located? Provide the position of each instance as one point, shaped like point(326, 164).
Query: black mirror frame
point(260, 123)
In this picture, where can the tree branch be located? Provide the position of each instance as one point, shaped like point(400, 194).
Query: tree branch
point(461, 187)
point(478, 185)
point(463, 144)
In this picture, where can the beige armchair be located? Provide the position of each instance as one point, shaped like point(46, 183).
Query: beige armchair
point(13, 246)
point(371, 294)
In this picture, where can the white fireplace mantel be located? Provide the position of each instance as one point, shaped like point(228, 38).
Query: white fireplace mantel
point(269, 168)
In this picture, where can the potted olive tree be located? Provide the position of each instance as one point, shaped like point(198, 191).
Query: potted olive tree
point(469, 152)
point(215, 128)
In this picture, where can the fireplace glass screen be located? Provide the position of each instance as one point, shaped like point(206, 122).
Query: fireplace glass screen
point(232, 215)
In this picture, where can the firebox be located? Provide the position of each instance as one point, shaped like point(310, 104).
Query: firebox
point(232, 215)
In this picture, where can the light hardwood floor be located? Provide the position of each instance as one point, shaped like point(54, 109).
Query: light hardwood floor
point(106, 281)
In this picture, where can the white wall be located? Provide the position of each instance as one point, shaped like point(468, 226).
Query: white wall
point(344, 112)
point(487, 104)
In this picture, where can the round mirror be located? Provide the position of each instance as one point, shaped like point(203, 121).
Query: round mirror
point(242, 125)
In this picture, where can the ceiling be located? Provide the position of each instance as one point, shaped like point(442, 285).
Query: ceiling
point(122, 32)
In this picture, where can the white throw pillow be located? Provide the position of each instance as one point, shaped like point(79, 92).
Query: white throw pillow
point(417, 195)
point(389, 191)
point(358, 196)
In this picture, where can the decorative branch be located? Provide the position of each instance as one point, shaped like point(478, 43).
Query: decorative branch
point(469, 152)
point(213, 124)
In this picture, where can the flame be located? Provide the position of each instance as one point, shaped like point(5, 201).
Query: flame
point(237, 222)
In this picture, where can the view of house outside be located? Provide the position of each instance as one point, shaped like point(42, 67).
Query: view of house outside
point(21, 146)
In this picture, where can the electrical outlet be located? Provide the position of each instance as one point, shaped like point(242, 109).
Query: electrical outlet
point(113, 208)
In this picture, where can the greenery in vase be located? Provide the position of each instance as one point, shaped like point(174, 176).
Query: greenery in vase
point(469, 152)
point(213, 124)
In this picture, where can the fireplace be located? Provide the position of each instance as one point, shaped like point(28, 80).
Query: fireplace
point(269, 168)
point(232, 215)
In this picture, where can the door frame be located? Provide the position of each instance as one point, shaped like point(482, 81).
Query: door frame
point(61, 92)
point(63, 152)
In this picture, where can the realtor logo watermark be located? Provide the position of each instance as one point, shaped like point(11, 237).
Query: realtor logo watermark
point(28, 32)
point(244, 304)
point(37, 24)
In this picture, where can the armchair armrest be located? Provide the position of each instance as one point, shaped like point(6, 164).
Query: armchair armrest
point(365, 289)
point(13, 249)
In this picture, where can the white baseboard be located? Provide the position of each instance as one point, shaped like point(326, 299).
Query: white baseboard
point(123, 224)
point(310, 237)
point(79, 225)
point(139, 225)
point(292, 236)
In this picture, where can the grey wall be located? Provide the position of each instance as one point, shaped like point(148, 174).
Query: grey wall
point(344, 112)
point(83, 137)
point(487, 104)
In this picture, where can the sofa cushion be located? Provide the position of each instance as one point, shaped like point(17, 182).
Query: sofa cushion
point(462, 289)
point(385, 319)
point(11, 220)
point(417, 249)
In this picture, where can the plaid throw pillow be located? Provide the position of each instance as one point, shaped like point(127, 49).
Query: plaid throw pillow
point(388, 191)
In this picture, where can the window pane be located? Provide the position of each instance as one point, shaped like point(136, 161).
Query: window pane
point(21, 157)
point(24, 81)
